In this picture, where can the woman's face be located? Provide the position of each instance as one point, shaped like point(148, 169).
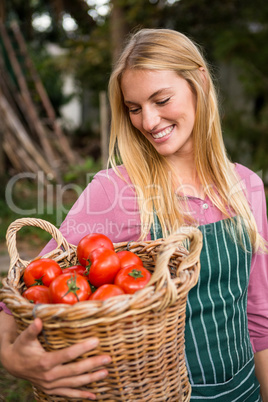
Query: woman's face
point(162, 107)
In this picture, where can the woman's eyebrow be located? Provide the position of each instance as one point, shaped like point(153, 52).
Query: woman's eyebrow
point(158, 92)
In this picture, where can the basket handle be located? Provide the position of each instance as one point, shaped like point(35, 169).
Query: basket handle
point(161, 277)
point(18, 224)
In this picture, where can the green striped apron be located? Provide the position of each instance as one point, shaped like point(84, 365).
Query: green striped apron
point(219, 355)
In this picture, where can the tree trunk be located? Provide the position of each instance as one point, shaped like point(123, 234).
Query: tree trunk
point(2, 155)
point(58, 8)
point(119, 28)
point(2, 10)
point(13, 125)
point(104, 120)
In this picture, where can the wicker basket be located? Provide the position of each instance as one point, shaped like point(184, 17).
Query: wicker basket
point(143, 333)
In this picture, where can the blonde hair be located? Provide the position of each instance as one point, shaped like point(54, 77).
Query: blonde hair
point(164, 49)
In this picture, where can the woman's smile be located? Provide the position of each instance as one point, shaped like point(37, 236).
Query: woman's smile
point(163, 133)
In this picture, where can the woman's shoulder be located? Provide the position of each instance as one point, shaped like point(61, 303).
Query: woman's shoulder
point(110, 182)
point(117, 175)
point(251, 178)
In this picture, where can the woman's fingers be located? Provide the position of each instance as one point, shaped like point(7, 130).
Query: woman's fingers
point(66, 379)
point(73, 382)
point(73, 393)
point(74, 369)
point(54, 372)
point(72, 352)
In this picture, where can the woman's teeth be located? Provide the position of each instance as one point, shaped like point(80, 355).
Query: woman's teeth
point(163, 133)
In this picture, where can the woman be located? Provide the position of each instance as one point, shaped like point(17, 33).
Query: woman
point(166, 131)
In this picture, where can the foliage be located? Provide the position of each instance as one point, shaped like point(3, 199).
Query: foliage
point(232, 32)
point(50, 201)
point(13, 389)
point(26, 201)
point(79, 173)
point(51, 70)
point(89, 59)
point(246, 141)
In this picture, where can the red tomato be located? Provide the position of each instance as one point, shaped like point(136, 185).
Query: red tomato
point(37, 294)
point(127, 258)
point(105, 292)
point(104, 266)
point(132, 278)
point(89, 243)
point(79, 269)
point(69, 288)
point(41, 272)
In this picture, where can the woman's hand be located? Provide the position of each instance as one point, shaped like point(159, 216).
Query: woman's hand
point(24, 357)
point(261, 371)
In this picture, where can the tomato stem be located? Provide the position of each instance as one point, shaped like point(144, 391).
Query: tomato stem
point(88, 267)
point(72, 288)
point(135, 273)
point(92, 287)
point(38, 281)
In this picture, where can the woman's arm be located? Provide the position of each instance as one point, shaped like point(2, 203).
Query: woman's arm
point(108, 205)
point(261, 370)
point(53, 372)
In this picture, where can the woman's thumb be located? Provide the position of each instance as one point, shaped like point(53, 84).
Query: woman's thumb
point(34, 329)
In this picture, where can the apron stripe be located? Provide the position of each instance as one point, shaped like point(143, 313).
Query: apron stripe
point(247, 345)
point(245, 325)
point(239, 388)
point(230, 291)
point(209, 290)
point(238, 304)
point(223, 303)
point(196, 349)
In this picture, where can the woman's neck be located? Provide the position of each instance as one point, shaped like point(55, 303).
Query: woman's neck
point(185, 178)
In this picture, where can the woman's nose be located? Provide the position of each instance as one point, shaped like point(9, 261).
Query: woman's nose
point(150, 119)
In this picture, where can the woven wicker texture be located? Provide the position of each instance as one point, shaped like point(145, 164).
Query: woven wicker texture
point(143, 333)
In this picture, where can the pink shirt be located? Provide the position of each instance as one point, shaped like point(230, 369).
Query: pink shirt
point(109, 205)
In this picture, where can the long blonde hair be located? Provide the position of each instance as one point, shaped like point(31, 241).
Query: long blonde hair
point(164, 49)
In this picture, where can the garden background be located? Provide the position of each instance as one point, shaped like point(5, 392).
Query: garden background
point(72, 45)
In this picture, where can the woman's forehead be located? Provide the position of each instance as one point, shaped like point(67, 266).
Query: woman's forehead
point(147, 82)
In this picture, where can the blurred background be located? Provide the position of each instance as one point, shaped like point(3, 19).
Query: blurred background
point(55, 61)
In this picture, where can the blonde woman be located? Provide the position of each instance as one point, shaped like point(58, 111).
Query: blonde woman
point(173, 171)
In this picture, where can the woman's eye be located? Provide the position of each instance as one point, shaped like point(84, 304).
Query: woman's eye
point(163, 102)
point(134, 111)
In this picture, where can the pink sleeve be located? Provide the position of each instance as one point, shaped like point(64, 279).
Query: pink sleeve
point(107, 205)
point(258, 283)
point(4, 308)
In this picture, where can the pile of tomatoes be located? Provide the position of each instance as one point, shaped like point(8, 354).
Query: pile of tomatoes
point(101, 273)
